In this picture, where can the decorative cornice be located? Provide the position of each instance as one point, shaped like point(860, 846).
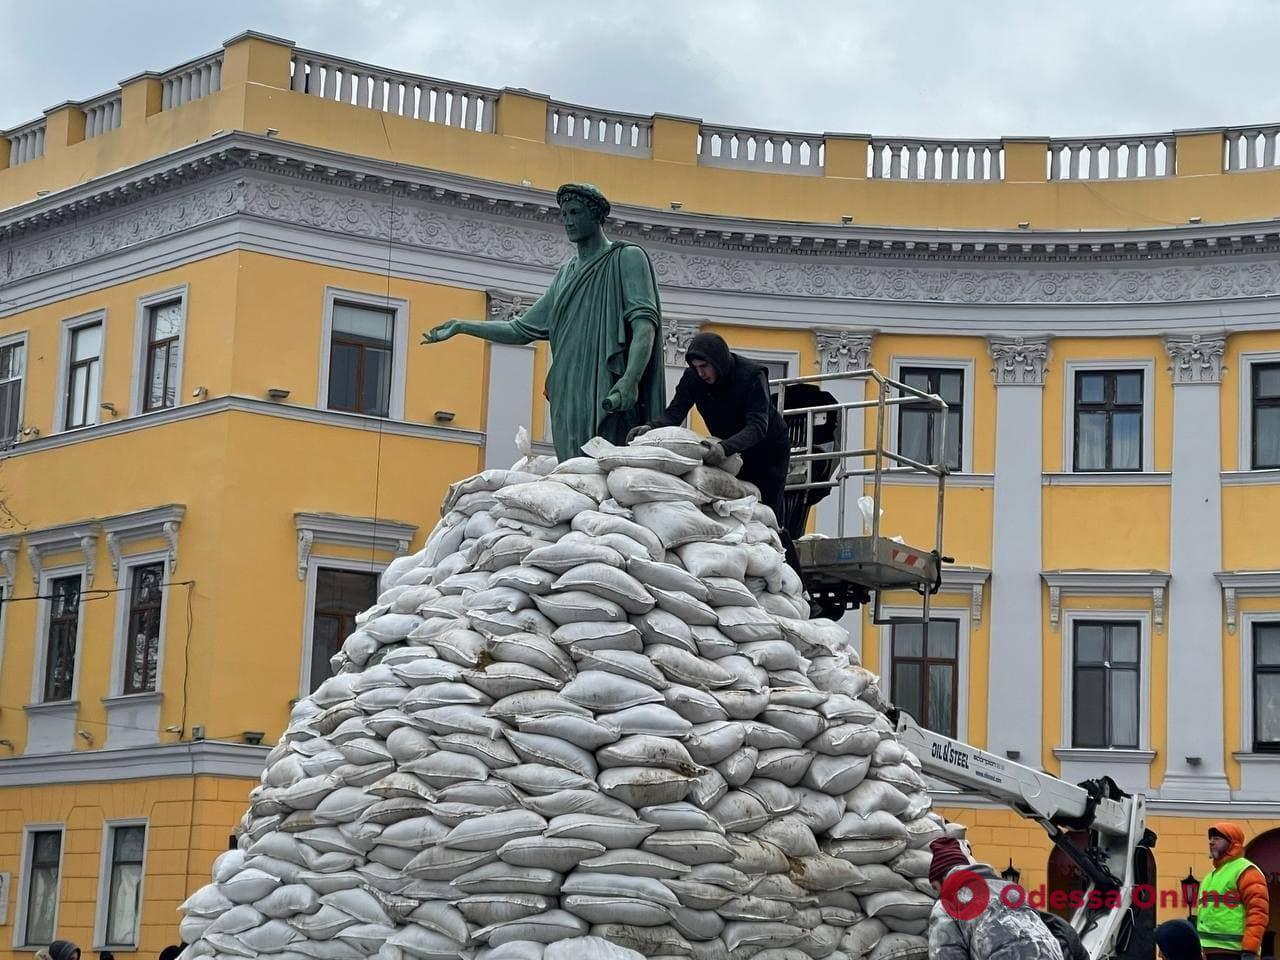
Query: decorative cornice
point(201, 758)
point(968, 580)
point(842, 351)
point(1197, 357)
point(381, 535)
point(1019, 361)
point(9, 561)
point(156, 522)
point(1245, 583)
point(79, 537)
point(1106, 583)
point(676, 335)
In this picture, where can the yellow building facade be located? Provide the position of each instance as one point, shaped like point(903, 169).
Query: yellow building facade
point(217, 428)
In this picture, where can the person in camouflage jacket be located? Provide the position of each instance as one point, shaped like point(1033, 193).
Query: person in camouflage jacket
point(962, 929)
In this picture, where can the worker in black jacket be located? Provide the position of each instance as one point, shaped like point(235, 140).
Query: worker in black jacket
point(732, 396)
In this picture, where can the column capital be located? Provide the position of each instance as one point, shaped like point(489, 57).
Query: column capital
point(505, 305)
point(1196, 357)
point(676, 335)
point(842, 351)
point(1020, 361)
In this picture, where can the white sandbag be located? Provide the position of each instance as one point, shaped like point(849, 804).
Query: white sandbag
point(596, 524)
point(740, 812)
point(791, 835)
point(647, 719)
point(719, 484)
point(647, 751)
point(651, 942)
point(645, 786)
point(836, 775)
point(696, 706)
point(763, 935)
point(561, 854)
point(498, 680)
point(728, 592)
point(288, 900)
point(549, 500)
point(604, 692)
point(492, 831)
point(685, 606)
point(541, 779)
point(864, 852)
point(666, 576)
point(425, 944)
point(567, 554)
point(787, 765)
point(679, 440)
point(739, 766)
point(534, 703)
point(485, 909)
point(610, 583)
point(650, 457)
point(677, 523)
point(681, 666)
point(590, 635)
point(532, 650)
point(900, 946)
point(659, 626)
point(778, 799)
point(709, 743)
point(542, 928)
point(631, 486)
point(247, 886)
point(531, 580)
point(753, 625)
point(592, 485)
point(872, 795)
point(579, 606)
point(536, 748)
point(714, 559)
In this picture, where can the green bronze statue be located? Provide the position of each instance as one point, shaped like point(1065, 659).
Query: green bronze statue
point(601, 316)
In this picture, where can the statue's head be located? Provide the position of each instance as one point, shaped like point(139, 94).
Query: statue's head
point(583, 209)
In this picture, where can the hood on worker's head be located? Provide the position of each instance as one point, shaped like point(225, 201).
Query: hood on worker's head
point(710, 348)
point(1234, 835)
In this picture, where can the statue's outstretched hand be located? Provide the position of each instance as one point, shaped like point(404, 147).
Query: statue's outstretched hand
point(623, 396)
point(441, 333)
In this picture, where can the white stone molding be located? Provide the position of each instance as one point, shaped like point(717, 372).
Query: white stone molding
point(379, 535)
point(1019, 361)
point(967, 580)
point(1106, 583)
point(9, 561)
point(80, 537)
point(676, 335)
point(1196, 357)
point(154, 523)
point(842, 351)
point(1245, 583)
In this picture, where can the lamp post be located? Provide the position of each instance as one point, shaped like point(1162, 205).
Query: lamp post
point(1010, 874)
point(1190, 893)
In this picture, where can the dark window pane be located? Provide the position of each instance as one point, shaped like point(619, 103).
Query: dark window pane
point(906, 689)
point(942, 698)
point(125, 885)
point(344, 368)
point(1091, 441)
point(10, 407)
point(1266, 709)
point(340, 595)
point(42, 887)
point(1126, 441)
point(955, 427)
point(942, 639)
point(1091, 643)
point(1091, 388)
point(1124, 708)
point(951, 386)
point(1124, 643)
point(1129, 388)
point(1266, 380)
point(919, 379)
point(11, 361)
point(1266, 437)
point(142, 653)
point(1266, 639)
point(377, 383)
point(1089, 707)
point(60, 642)
point(907, 640)
point(913, 434)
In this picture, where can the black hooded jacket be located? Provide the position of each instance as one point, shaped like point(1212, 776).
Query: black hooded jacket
point(737, 410)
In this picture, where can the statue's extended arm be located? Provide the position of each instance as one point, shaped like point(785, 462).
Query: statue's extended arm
point(493, 331)
point(626, 391)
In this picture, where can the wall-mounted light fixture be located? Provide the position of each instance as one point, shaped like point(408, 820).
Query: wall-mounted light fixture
point(846, 218)
point(445, 416)
point(1024, 224)
point(1193, 219)
point(199, 393)
point(253, 737)
point(277, 393)
point(676, 204)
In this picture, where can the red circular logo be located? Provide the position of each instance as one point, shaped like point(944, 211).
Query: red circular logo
point(964, 894)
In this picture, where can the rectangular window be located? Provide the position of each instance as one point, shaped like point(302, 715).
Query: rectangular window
point(1105, 684)
point(125, 885)
point(920, 428)
point(360, 359)
point(142, 650)
point(1266, 416)
point(924, 680)
point(164, 343)
point(60, 644)
point(12, 367)
point(340, 595)
point(1108, 420)
point(84, 376)
point(1266, 687)
point(42, 886)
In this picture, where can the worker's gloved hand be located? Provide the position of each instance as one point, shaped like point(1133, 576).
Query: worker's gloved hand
point(441, 333)
point(636, 432)
point(713, 452)
point(623, 396)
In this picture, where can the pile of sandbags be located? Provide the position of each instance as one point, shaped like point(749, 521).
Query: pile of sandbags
point(592, 706)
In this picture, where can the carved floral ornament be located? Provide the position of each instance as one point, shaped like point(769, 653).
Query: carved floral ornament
point(842, 351)
point(1196, 357)
point(424, 220)
point(1019, 361)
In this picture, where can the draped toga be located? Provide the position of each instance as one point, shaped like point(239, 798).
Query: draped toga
point(587, 315)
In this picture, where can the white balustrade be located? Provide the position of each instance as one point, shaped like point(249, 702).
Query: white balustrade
point(26, 142)
point(191, 81)
point(770, 151)
point(591, 129)
point(407, 95)
point(101, 115)
point(1251, 148)
point(942, 160)
point(1112, 158)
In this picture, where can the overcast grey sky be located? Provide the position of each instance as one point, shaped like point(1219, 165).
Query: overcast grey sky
point(902, 67)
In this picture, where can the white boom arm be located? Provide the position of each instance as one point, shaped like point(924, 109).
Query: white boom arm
point(1116, 825)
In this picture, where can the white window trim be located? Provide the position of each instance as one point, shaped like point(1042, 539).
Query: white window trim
point(8, 341)
point(314, 563)
point(24, 881)
point(141, 331)
point(963, 616)
point(789, 357)
point(1247, 620)
point(69, 326)
point(1068, 634)
point(966, 420)
point(1244, 455)
point(1148, 368)
point(8, 576)
point(399, 343)
point(109, 828)
point(123, 602)
point(42, 637)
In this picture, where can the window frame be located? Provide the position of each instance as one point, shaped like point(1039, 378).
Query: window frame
point(1248, 700)
point(62, 397)
point(22, 338)
point(1143, 618)
point(966, 368)
point(24, 881)
point(964, 625)
point(141, 347)
point(1147, 367)
point(120, 645)
point(1247, 361)
point(926, 661)
point(314, 564)
point(399, 347)
point(106, 861)
point(42, 638)
point(1108, 668)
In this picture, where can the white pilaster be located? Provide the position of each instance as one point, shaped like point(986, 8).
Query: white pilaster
point(1015, 694)
point(1194, 766)
point(843, 351)
point(510, 389)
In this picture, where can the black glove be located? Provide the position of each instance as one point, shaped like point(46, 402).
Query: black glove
point(639, 431)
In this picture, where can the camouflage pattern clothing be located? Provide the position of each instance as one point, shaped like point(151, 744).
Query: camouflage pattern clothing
point(999, 932)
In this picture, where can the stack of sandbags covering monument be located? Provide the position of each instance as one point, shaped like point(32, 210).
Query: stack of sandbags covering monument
point(591, 707)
